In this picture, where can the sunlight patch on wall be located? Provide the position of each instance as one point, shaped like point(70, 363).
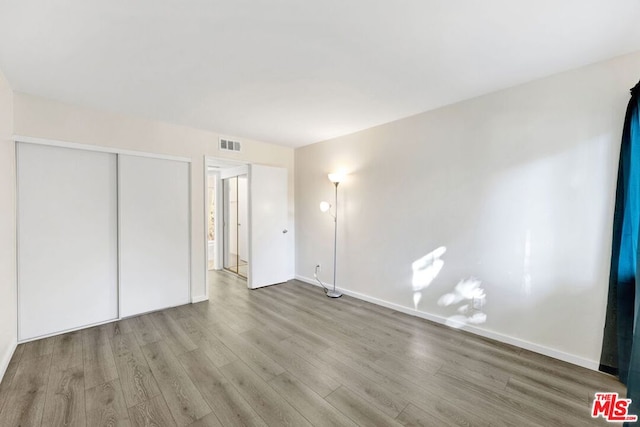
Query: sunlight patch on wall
point(425, 270)
point(470, 299)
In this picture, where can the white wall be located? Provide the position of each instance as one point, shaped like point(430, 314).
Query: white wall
point(519, 187)
point(8, 307)
point(38, 117)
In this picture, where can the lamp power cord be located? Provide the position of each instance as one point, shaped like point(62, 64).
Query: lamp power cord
point(315, 275)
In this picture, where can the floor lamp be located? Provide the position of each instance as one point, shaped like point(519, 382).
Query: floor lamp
point(335, 178)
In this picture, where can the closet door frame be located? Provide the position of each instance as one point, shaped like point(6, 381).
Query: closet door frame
point(111, 150)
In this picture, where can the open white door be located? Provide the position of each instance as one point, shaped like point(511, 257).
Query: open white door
point(268, 210)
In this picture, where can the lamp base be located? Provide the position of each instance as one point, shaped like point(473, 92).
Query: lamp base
point(334, 294)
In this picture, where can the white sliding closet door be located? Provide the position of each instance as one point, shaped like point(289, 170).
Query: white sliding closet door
point(67, 234)
point(153, 196)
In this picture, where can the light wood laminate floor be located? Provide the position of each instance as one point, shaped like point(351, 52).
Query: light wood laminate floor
point(287, 355)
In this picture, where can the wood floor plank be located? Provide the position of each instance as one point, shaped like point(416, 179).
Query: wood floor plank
point(105, 406)
point(207, 421)
point(579, 386)
point(300, 345)
point(144, 329)
point(172, 333)
point(138, 384)
point(313, 407)
point(359, 410)
point(412, 416)
point(182, 397)
point(498, 407)
point(65, 405)
point(264, 305)
point(425, 332)
point(27, 394)
point(479, 372)
point(263, 365)
point(261, 317)
point(340, 310)
point(365, 345)
point(5, 384)
point(99, 364)
point(548, 399)
point(386, 395)
point(67, 351)
point(574, 373)
point(238, 322)
point(275, 331)
point(419, 393)
point(417, 372)
point(561, 387)
point(119, 327)
point(182, 311)
point(271, 407)
point(309, 320)
point(307, 373)
point(153, 412)
point(215, 349)
point(455, 408)
point(567, 380)
point(38, 348)
point(487, 345)
point(223, 398)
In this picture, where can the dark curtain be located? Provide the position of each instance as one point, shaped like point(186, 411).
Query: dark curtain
point(621, 344)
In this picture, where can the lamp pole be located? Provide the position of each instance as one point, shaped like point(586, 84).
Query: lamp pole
point(333, 293)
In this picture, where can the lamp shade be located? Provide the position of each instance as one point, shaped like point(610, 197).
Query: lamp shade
point(336, 177)
point(325, 206)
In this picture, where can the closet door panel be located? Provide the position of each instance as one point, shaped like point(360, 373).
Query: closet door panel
point(67, 239)
point(153, 197)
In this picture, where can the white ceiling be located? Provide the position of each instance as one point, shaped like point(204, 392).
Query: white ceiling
point(295, 72)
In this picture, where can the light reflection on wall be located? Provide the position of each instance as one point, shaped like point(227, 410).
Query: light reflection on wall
point(470, 299)
point(425, 270)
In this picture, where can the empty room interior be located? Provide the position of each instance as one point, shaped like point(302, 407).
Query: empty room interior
point(418, 213)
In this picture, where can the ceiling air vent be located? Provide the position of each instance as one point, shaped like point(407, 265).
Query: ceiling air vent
point(229, 145)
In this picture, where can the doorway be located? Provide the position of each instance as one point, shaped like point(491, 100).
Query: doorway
point(236, 237)
point(262, 254)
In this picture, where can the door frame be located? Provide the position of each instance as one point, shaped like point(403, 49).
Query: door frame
point(231, 168)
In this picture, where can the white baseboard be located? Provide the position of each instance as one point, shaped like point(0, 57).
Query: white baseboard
point(199, 298)
point(6, 358)
point(556, 354)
